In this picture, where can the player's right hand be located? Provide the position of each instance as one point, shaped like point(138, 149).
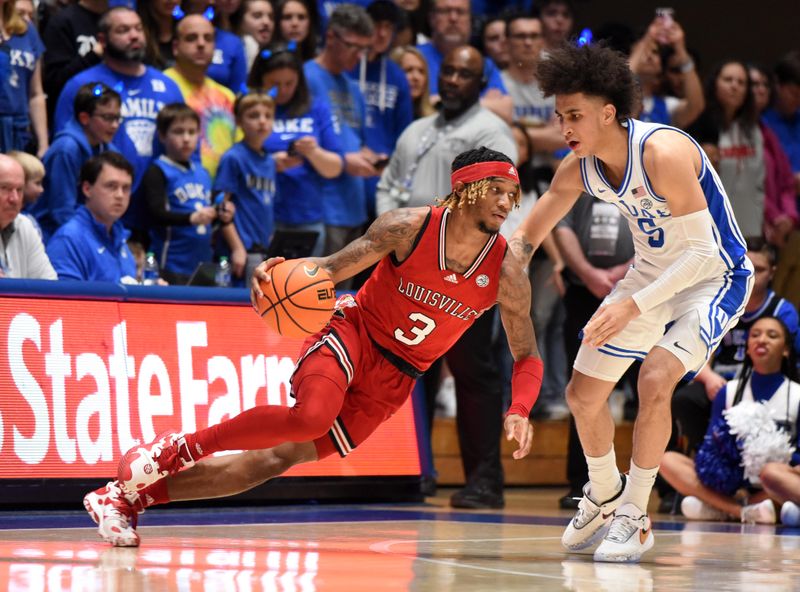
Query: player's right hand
point(520, 429)
point(260, 274)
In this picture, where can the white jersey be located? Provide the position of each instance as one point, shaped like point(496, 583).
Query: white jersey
point(655, 241)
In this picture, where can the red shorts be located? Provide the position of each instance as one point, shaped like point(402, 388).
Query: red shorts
point(374, 387)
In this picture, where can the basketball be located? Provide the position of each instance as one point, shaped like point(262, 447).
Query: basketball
point(299, 299)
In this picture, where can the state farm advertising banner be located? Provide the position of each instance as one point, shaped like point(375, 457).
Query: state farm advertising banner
point(82, 381)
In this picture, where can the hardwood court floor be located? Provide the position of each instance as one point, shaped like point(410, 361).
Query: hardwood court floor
point(420, 548)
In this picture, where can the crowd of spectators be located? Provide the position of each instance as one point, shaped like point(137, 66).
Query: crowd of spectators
point(197, 129)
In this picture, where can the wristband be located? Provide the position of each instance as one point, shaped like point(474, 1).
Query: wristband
point(526, 381)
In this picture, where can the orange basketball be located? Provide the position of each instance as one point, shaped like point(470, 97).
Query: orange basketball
point(299, 300)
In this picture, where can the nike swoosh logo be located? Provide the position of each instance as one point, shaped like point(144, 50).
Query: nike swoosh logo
point(607, 516)
point(133, 92)
point(601, 190)
point(643, 535)
point(679, 346)
point(312, 272)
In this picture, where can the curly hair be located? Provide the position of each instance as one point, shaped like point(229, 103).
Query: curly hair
point(594, 70)
point(475, 190)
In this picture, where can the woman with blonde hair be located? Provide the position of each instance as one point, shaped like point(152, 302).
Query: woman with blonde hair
point(416, 68)
point(22, 99)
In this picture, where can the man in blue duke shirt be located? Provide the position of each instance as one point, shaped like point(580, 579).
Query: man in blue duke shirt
point(144, 91)
point(92, 245)
point(348, 37)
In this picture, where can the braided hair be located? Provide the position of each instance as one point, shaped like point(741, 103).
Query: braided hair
point(476, 189)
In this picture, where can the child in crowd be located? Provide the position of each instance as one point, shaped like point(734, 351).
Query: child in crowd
point(97, 118)
point(246, 175)
point(177, 192)
point(34, 176)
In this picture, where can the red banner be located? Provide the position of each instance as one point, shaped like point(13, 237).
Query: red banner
point(81, 381)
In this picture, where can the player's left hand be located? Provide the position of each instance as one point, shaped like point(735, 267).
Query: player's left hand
point(520, 429)
point(608, 321)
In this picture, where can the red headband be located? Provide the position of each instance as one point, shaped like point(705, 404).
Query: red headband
point(482, 170)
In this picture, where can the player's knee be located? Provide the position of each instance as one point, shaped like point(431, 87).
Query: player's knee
point(655, 388)
point(310, 424)
point(579, 400)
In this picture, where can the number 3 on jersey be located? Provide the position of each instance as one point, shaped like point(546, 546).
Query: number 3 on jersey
point(421, 328)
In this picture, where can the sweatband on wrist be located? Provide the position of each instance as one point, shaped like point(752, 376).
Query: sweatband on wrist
point(526, 382)
point(482, 170)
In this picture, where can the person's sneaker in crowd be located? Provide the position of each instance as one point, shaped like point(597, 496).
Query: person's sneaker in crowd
point(114, 515)
point(760, 513)
point(571, 499)
point(478, 497)
point(694, 508)
point(790, 514)
point(592, 520)
point(629, 536)
point(145, 464)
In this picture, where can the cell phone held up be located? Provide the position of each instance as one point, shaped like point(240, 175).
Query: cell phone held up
point(292, 149)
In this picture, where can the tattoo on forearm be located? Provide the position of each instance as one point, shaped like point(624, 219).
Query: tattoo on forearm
point(521, 248)
point(387, 233)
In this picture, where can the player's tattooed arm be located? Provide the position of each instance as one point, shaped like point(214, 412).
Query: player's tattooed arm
point(521, 248)
point(514, 299)
point(393, 231)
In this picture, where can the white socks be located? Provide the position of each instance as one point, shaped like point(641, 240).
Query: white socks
point(604, 476)
point(640, 484)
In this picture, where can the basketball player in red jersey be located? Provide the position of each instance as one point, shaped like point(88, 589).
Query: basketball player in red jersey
point(438, 269)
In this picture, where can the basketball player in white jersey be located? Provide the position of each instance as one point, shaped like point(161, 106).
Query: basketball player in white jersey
point(688, 285)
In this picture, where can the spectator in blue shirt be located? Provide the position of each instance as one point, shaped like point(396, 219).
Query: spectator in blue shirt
point(246, 175)
point(348, 37)
point(304, 145)
point(88, 133)
point(144, 91)
point(22, 100)
point(386, 92)
point(177, 192)
point(92, 245)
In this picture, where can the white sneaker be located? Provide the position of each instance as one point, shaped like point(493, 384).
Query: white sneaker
point(591, 522)
point(760, 513)
point(696, 509)
point(629, 536)
point(114, 515)
point(790, 514)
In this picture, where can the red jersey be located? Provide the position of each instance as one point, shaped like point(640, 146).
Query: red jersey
point(418, 308)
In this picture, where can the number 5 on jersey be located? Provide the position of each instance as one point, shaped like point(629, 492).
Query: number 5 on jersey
point(421, 328)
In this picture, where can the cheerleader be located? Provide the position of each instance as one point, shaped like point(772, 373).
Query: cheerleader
point(733, 453)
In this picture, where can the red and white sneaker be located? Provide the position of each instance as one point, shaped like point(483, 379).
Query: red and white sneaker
point(145, 464)
point(114, 515)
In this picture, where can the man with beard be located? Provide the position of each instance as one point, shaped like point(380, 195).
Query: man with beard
point(451, 27)
point(144, 91)
point(417, 173)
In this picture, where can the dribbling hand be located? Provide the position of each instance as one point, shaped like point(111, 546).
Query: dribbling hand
point(260, 275)
point(520, 429)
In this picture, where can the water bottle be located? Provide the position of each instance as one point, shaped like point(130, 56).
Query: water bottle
point(223, 275)
point(150, 273)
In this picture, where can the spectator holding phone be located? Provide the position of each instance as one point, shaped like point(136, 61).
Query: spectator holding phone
point(304, 145)
point(664, 32)
point(386, 93)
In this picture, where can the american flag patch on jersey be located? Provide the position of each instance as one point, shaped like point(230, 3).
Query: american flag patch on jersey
point(638, 192)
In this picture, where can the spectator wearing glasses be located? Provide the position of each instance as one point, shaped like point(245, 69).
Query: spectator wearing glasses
point(143, 90)
point(451, 27)
point(348, 37)
point(88, 133)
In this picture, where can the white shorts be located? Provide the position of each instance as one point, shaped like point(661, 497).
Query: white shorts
point(689, 325)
